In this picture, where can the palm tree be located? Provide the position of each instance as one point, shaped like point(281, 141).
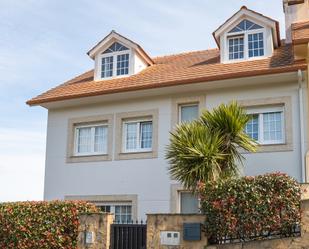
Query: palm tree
point(208, 149)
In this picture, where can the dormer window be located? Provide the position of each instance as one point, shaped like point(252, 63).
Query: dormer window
point(117, 56)
point(246, 40)
point(115, 61)
point(247, 35)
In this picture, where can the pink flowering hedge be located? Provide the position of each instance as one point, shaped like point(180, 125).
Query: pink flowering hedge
point(251, 207)
point(52, 225)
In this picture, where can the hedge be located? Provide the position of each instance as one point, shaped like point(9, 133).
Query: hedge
point(251, 207)
point(25, 225)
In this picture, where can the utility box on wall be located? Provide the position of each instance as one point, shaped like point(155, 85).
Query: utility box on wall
point(170, 238)
point(89, 237)
point(192, 231)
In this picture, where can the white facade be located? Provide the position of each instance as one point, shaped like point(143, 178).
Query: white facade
point(137, 182)
point(148, 179)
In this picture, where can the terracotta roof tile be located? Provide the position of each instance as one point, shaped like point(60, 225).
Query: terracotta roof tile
point(300, 32)
point(185, 68)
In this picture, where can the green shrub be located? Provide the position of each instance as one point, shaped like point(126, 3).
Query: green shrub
point(52, 225)
point(251, 206)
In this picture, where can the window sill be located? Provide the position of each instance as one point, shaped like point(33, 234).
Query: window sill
point(256, 58)
point(280, 147)
point(136, 155)
point(113, 77)
point(88, 158)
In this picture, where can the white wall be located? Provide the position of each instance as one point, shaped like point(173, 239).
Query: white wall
point(148, 178)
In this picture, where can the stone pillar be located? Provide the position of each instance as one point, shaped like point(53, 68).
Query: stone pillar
point(157, 223)
point(98, 224)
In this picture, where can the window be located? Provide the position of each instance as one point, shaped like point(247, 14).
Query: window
point(115, 61)
point(252, 127)
point(256, 44)
point(246, 40)
point(122, 212)
point(236, 47)
point(188, 112)
point(107, 67)
point(91, 140)
point(245, 25)
point(189, 203)
point(266, 126)
point(122, 64)
point(137, 136)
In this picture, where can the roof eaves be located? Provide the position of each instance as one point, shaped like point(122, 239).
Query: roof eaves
point(285, 69)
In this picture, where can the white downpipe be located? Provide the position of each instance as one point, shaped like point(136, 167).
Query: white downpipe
point(301, 116)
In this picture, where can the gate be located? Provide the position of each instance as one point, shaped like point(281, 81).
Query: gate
point(128, 236)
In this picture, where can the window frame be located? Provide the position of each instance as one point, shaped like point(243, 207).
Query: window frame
point(179, 199)
point(92, 126)
point(228, 45)
point(113, 205)
point(260, 112)
point(114, 55)
point(138, 137)
point(245, 34)
point(187, 105)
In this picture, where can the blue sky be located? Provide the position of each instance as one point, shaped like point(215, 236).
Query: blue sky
point(44, 43)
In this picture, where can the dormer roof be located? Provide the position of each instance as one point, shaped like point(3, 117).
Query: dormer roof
point(112, 37)
point(243, 13)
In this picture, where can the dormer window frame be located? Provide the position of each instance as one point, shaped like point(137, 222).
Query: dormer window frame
point(269, 27)
point(115, 55)
point(245, 34)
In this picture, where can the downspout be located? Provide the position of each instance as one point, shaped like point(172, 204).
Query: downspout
point(301, 116)
point(307, 154)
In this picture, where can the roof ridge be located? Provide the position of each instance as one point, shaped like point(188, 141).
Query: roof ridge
point(184, 53)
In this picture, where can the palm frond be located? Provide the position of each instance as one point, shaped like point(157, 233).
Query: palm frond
point(208, 149)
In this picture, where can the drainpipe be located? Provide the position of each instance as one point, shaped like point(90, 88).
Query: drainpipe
point(307, 154)
point(301, 116)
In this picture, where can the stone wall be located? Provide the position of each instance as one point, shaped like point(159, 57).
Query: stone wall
point(99, 225)
point(157, 223)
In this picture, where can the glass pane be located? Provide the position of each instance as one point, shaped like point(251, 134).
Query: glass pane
point(122, 64)
point(131, 136)
point(100, 139)
point(245, 25)
point(115, 47)
point(189, 113)
point(123, 213)
point(188, 203)
point(146, 135)
point(273, 127)
point(84, 140)
point(236, 47)
point(252, 127)
point(117, 218)
point(105, 208)
point(256, 44)
point(107, 67)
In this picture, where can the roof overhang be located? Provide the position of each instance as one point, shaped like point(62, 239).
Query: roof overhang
point(224, 84)
point(244, 12)
point(188, 85)
point(114, 36)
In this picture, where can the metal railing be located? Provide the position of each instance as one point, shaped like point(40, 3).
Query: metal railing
point(293, 231)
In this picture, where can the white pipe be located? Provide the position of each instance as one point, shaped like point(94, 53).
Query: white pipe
point(301, 116)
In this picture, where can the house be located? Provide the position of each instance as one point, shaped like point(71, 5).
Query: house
point(108, 128)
